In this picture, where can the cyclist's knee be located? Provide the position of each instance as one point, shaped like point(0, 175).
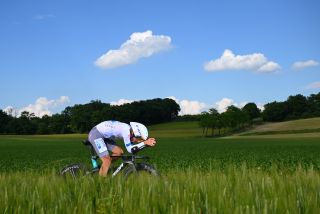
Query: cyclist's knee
point(117, 151)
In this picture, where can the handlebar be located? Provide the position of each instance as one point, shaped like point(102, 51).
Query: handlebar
point(136, 149)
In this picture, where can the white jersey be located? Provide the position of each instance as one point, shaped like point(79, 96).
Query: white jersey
point(117, 130)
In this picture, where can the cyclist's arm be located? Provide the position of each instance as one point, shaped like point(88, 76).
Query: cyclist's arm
point(131, 147)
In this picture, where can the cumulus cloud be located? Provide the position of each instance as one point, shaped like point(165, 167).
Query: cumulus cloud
point(305, 64)
point(229, 61)
point(223, 104)
point(189, 107)
point(140, 45)
point(314, 85)
point(10, 110)
point(120, 102)
point(41, 107)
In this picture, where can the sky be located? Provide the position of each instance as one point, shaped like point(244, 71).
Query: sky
point(202, 54)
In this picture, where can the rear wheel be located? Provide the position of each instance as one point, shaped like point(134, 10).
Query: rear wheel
point(74, 170)
point(141, 169)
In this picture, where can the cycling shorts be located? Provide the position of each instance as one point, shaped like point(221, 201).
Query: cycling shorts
point(101, 145)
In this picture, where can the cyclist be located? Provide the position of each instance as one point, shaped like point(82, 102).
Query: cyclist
point(102, 137)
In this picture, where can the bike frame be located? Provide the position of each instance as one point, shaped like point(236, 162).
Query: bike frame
point(126, 160)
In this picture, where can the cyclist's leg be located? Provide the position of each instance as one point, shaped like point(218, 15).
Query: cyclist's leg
point(117, 150)
point(106, 162)
point(97, 141)
point(114, 148)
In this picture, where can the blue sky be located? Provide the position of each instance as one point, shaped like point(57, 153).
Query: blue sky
point(201, 53)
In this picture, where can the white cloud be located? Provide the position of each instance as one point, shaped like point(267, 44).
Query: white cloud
point(140, 45)
point(223, 104)
point(120, 102)
point(229, 61)
point(10, 110)
point(269, 67)
point(314, 85)
point(41, 107)
point(190, 107)
point(260, 106)
point(305, 64)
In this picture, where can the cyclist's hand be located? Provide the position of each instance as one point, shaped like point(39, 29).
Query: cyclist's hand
point(150, 142)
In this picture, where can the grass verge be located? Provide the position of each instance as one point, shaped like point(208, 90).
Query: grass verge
point(232, 190)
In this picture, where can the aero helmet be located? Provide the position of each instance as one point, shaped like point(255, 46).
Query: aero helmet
point(139, 130)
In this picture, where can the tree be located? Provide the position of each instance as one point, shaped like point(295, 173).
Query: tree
point(25, 123)
point(297, 106)
point(4, 120)
point(252, 110)
point(204, 122)
point(213, 119)
point(314, 105)
point(44, 125)
point(275, 111)
point(233, 115)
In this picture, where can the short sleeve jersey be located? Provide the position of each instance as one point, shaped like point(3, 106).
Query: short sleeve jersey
point(115, 130)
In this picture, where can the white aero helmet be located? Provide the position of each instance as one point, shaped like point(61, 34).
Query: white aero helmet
point(139, 130)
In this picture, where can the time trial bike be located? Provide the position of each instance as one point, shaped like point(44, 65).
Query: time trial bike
point(130, 165)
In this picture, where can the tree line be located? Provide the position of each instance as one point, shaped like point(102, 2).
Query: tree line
point(214, 123)
point(81, 118)
point(235, 119)
point(295, 107)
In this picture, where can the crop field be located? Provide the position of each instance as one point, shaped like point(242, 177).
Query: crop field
point(237, 174)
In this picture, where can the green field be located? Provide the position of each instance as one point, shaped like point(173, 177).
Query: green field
point(311, 125)
point(275, 173)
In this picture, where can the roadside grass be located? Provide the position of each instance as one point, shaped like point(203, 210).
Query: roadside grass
point(231, 190)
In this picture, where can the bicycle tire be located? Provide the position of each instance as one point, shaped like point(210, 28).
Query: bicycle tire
point(139, 168)
point(75, 170)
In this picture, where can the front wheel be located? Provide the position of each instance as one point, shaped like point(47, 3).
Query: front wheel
point(140, 169)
